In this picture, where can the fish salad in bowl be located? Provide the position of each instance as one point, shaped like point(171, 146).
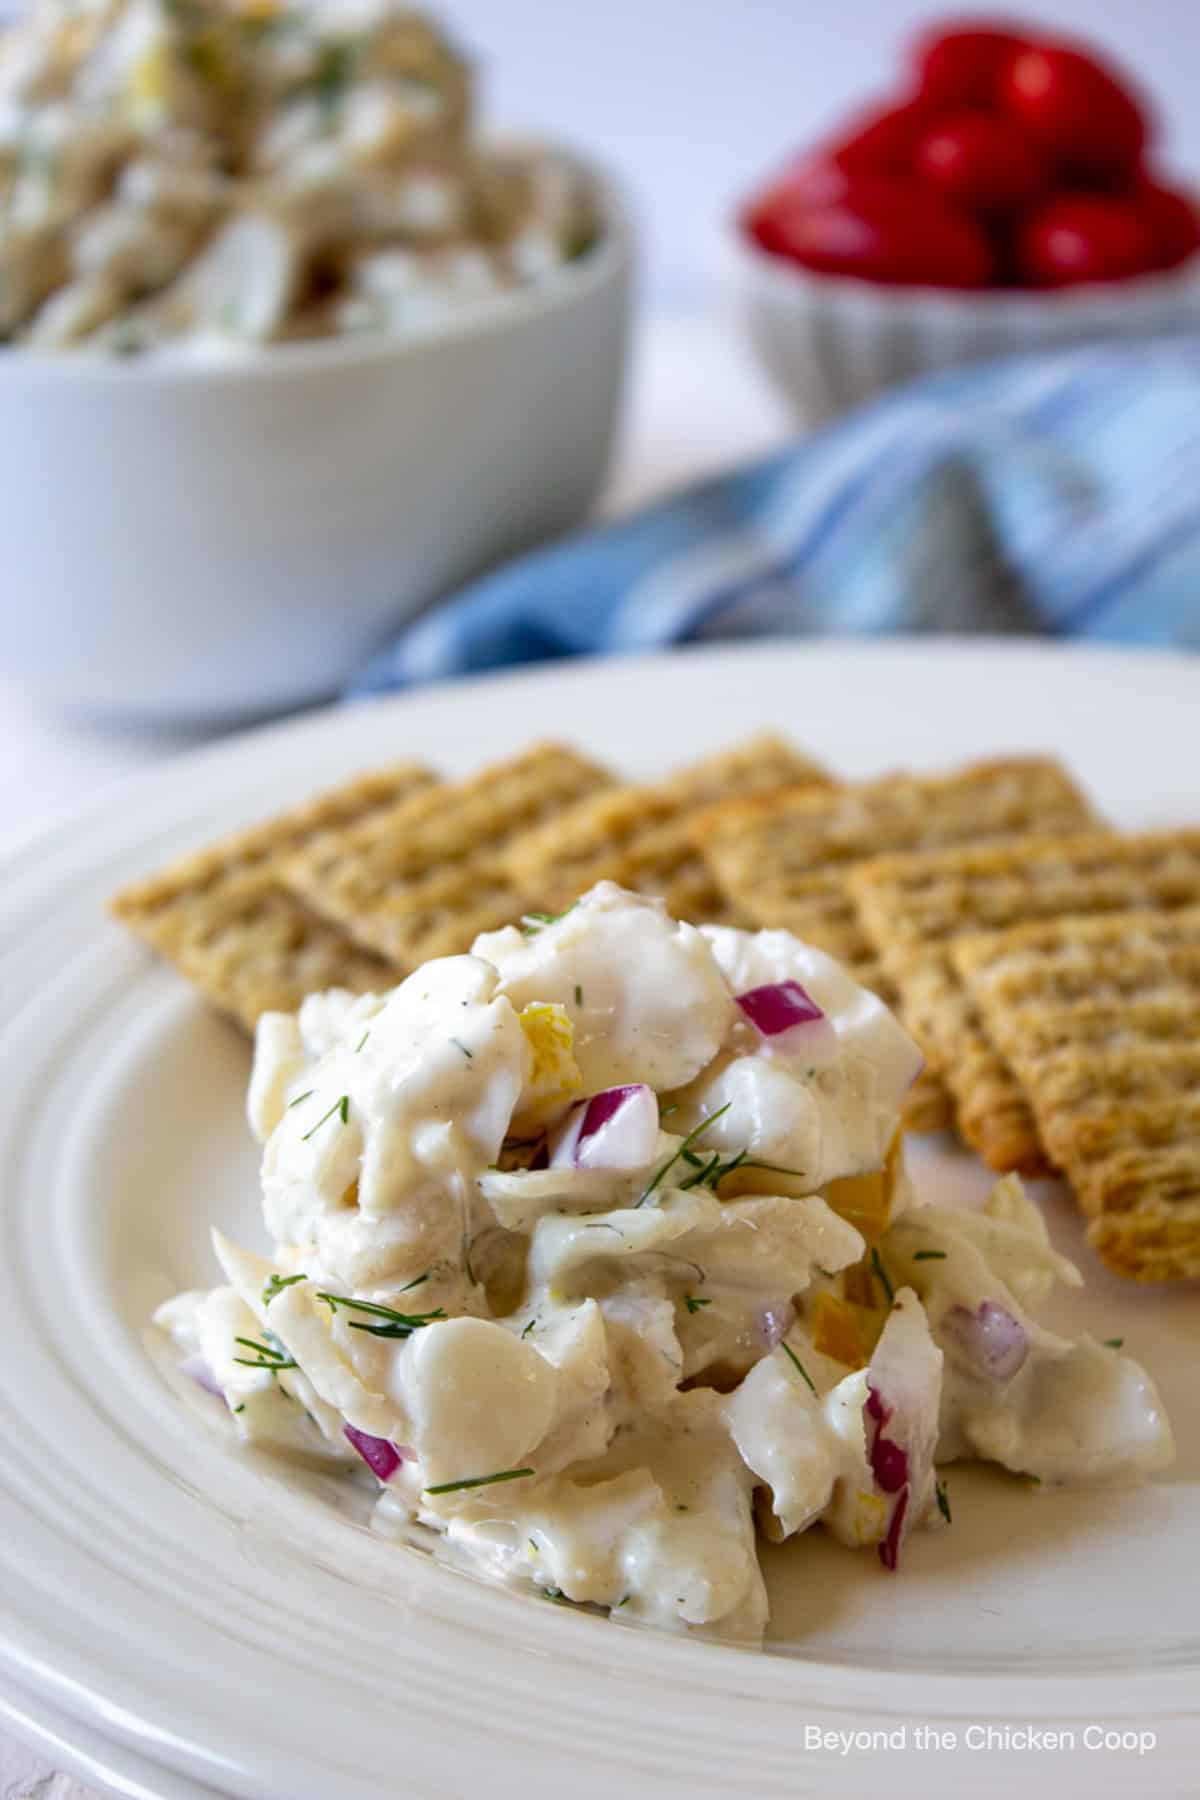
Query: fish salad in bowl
point(201, 174)
point(596, 1247)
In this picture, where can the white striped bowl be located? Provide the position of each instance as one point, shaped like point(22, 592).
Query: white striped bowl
point(831, 342)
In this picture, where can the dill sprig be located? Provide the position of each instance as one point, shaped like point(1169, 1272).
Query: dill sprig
point(943, 1501)
point(929, 1256)
point(271, 1354)
point(694, 1302)
point(331, 77)
point(798, 1365)
point(881, 1272)
point(697, 1131)
point(275, 1284)
point(397, 1324)
point(533, 922)
point(341, 1106)
point(477, 1481)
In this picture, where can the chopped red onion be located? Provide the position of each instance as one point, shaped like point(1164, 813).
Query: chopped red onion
point(889, 1465)
point(615, 1129)
point(889, 1549)
point(900, 1416)
point(382, 1457)
point(778, 1007)
point(790, 1020)
point(988, 1340)
point(197, 1369)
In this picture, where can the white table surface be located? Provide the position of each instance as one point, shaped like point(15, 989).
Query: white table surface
point(696, 404)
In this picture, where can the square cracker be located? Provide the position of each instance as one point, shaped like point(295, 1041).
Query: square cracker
point(222, 917)
point(641, 837)
point(915, 907)
point(1100, 1020)
point(424, 877)
point(784, 860)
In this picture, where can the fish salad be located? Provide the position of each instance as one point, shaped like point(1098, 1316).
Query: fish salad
point(202, 174)
point(595, 1246)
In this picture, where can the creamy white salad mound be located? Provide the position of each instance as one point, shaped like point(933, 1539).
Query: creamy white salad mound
point(596, 1248)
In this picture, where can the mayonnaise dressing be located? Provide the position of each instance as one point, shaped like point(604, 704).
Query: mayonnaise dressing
point(591, 1351)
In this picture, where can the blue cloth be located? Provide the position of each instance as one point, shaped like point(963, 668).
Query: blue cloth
point(1055, 494)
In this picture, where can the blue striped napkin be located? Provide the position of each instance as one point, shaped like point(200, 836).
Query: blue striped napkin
point(1056, 494)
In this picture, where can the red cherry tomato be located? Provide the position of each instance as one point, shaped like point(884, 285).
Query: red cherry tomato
point(961, 65)
point(880, 142)
point(774, 219)
point(878, 230)
point(1076, 108)
point(983, 163)
point(1173, 217)
point(1085, 237)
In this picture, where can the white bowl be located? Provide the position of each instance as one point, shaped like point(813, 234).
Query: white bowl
point(831, 342)
point(199, 542)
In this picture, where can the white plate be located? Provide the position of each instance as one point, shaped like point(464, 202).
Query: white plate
point(178, 1619)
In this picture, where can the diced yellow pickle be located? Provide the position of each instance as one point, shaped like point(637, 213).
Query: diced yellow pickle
point(554, 1079)
point(865, 1201)
point(868, 1517)
point(858, 1285)
point(841, 1330)
point(149, 82)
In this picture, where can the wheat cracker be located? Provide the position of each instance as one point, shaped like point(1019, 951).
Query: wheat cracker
point(915, 907)
point(222, 917)
point(1111, 1068)
point(424, 877)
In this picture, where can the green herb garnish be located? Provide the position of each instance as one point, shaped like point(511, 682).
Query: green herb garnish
point(881, 1272)
point(555, 1594)
point(275, 1284)
point(474, 1481)
point(533, 922)
point(330, 80)
point(341, 1106)
point(398, 1324)
point(459, 1045)
point(578, 995)
point(694, 1302)
point(696, 1132)
point(793, 1358)
point(307, 1095)
point(273, 1354)
point(943, 1501)
point(1114, 1343)
point(362, 1040)
point(712, 1173)
point(929, 1256)
point(241, 1408)
point(529, 1327)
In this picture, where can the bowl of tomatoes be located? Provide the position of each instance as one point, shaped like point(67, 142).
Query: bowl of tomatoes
point(1008, 199)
